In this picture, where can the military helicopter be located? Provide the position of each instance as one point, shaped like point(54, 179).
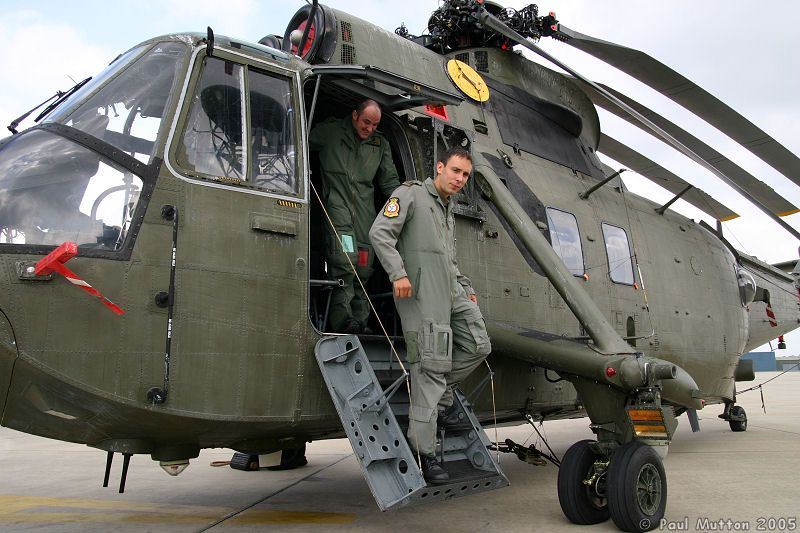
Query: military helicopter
point(177, 189)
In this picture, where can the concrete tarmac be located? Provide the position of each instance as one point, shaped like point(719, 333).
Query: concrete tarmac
point(717, 481)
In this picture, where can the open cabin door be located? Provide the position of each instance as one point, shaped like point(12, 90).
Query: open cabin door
point(366, 382)
point(335, 91)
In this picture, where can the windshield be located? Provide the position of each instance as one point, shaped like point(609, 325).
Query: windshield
point(53, 190)
point(128, 108)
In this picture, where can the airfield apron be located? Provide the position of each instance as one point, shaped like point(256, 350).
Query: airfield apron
point(413, 237)
point(349, 167)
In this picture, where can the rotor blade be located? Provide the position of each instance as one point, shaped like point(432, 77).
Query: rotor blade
point(491, 22)
point(685, 92)
point(663, 177)
point(762, 192)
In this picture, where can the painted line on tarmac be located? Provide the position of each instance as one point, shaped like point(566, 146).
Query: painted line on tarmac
point(289, 516)
point(18, 509)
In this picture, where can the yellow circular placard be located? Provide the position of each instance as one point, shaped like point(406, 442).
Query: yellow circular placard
point(467, 80)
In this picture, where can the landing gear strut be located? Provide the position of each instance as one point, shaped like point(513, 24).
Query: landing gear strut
point(631, 488)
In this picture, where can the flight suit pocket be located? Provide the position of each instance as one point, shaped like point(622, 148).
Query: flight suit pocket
point(436, 222)
point(477, 328)
point(412, 347)
point(436, 347)
point(340, 248)
point(365, 256)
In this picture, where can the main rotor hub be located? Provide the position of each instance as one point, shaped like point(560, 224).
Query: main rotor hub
point(456, 25)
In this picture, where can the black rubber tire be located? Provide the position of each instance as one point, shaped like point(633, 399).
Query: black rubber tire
point(636, 488)
point(738, 425)
point(575, 497)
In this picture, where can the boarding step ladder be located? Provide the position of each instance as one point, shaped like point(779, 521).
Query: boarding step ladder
point(377, 434)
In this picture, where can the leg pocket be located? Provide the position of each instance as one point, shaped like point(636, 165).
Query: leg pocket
point(365, 256)
point(339, 249)
point(435, 347)
point(477, 327)
point(412, 346)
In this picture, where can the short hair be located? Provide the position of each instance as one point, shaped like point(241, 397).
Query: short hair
point(455, 151)
point(367, 103)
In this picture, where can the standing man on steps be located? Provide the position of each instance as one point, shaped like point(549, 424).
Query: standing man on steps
point(353, 157)
point(445, 334)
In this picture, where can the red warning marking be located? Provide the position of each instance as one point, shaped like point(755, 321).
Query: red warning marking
point(771, 316)
point(54, 262)
point(438, 111)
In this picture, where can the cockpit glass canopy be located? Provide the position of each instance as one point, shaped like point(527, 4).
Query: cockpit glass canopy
point(53, 190)
point(124, 105)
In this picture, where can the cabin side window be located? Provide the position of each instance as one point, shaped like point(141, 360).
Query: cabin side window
point(212, 139)
point(223, 141)
point(272, 132)
point(620, 266)
point(566, 239)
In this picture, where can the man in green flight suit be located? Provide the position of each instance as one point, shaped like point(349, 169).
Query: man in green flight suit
point(444, 330)
point(352, 156)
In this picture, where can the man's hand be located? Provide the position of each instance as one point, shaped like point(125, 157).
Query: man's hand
point(473, 298)
point(402, 288)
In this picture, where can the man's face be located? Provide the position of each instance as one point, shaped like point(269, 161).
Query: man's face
point(365, 123)
point(452, 176)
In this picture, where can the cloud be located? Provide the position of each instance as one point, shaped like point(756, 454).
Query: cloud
point(39, 58)
point(232, 17)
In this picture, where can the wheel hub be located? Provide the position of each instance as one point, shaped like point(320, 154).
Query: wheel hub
point(648, 489)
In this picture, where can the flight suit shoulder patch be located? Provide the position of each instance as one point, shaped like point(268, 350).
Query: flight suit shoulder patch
point(392, 208)
point(374, 141)
point(411, 183)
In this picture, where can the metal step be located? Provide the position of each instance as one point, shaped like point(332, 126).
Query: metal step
point(378, 439)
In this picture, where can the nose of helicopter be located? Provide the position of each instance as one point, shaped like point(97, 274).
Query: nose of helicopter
point(8, 353)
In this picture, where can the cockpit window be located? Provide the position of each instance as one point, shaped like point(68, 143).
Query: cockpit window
point(212, 139)
point(127, 111)
point(271, 121)
point(225, 140)
point(53, 190)
point(566, 239)
point(620, 266)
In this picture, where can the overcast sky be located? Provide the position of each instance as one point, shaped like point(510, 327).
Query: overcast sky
point(743, 53)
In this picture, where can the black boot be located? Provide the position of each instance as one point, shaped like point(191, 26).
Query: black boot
point(351, 327)
point(451, 418)
point(432, 470)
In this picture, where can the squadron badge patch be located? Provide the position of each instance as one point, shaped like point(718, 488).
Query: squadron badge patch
point(392, 208)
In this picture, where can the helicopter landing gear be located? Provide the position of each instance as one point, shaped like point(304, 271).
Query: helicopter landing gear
point(582, 485)
point(631, 488)
point(736, 417)
point(291, 458)
point(637, 487)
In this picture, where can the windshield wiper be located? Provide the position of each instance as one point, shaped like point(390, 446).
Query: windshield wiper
point(60, 97)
